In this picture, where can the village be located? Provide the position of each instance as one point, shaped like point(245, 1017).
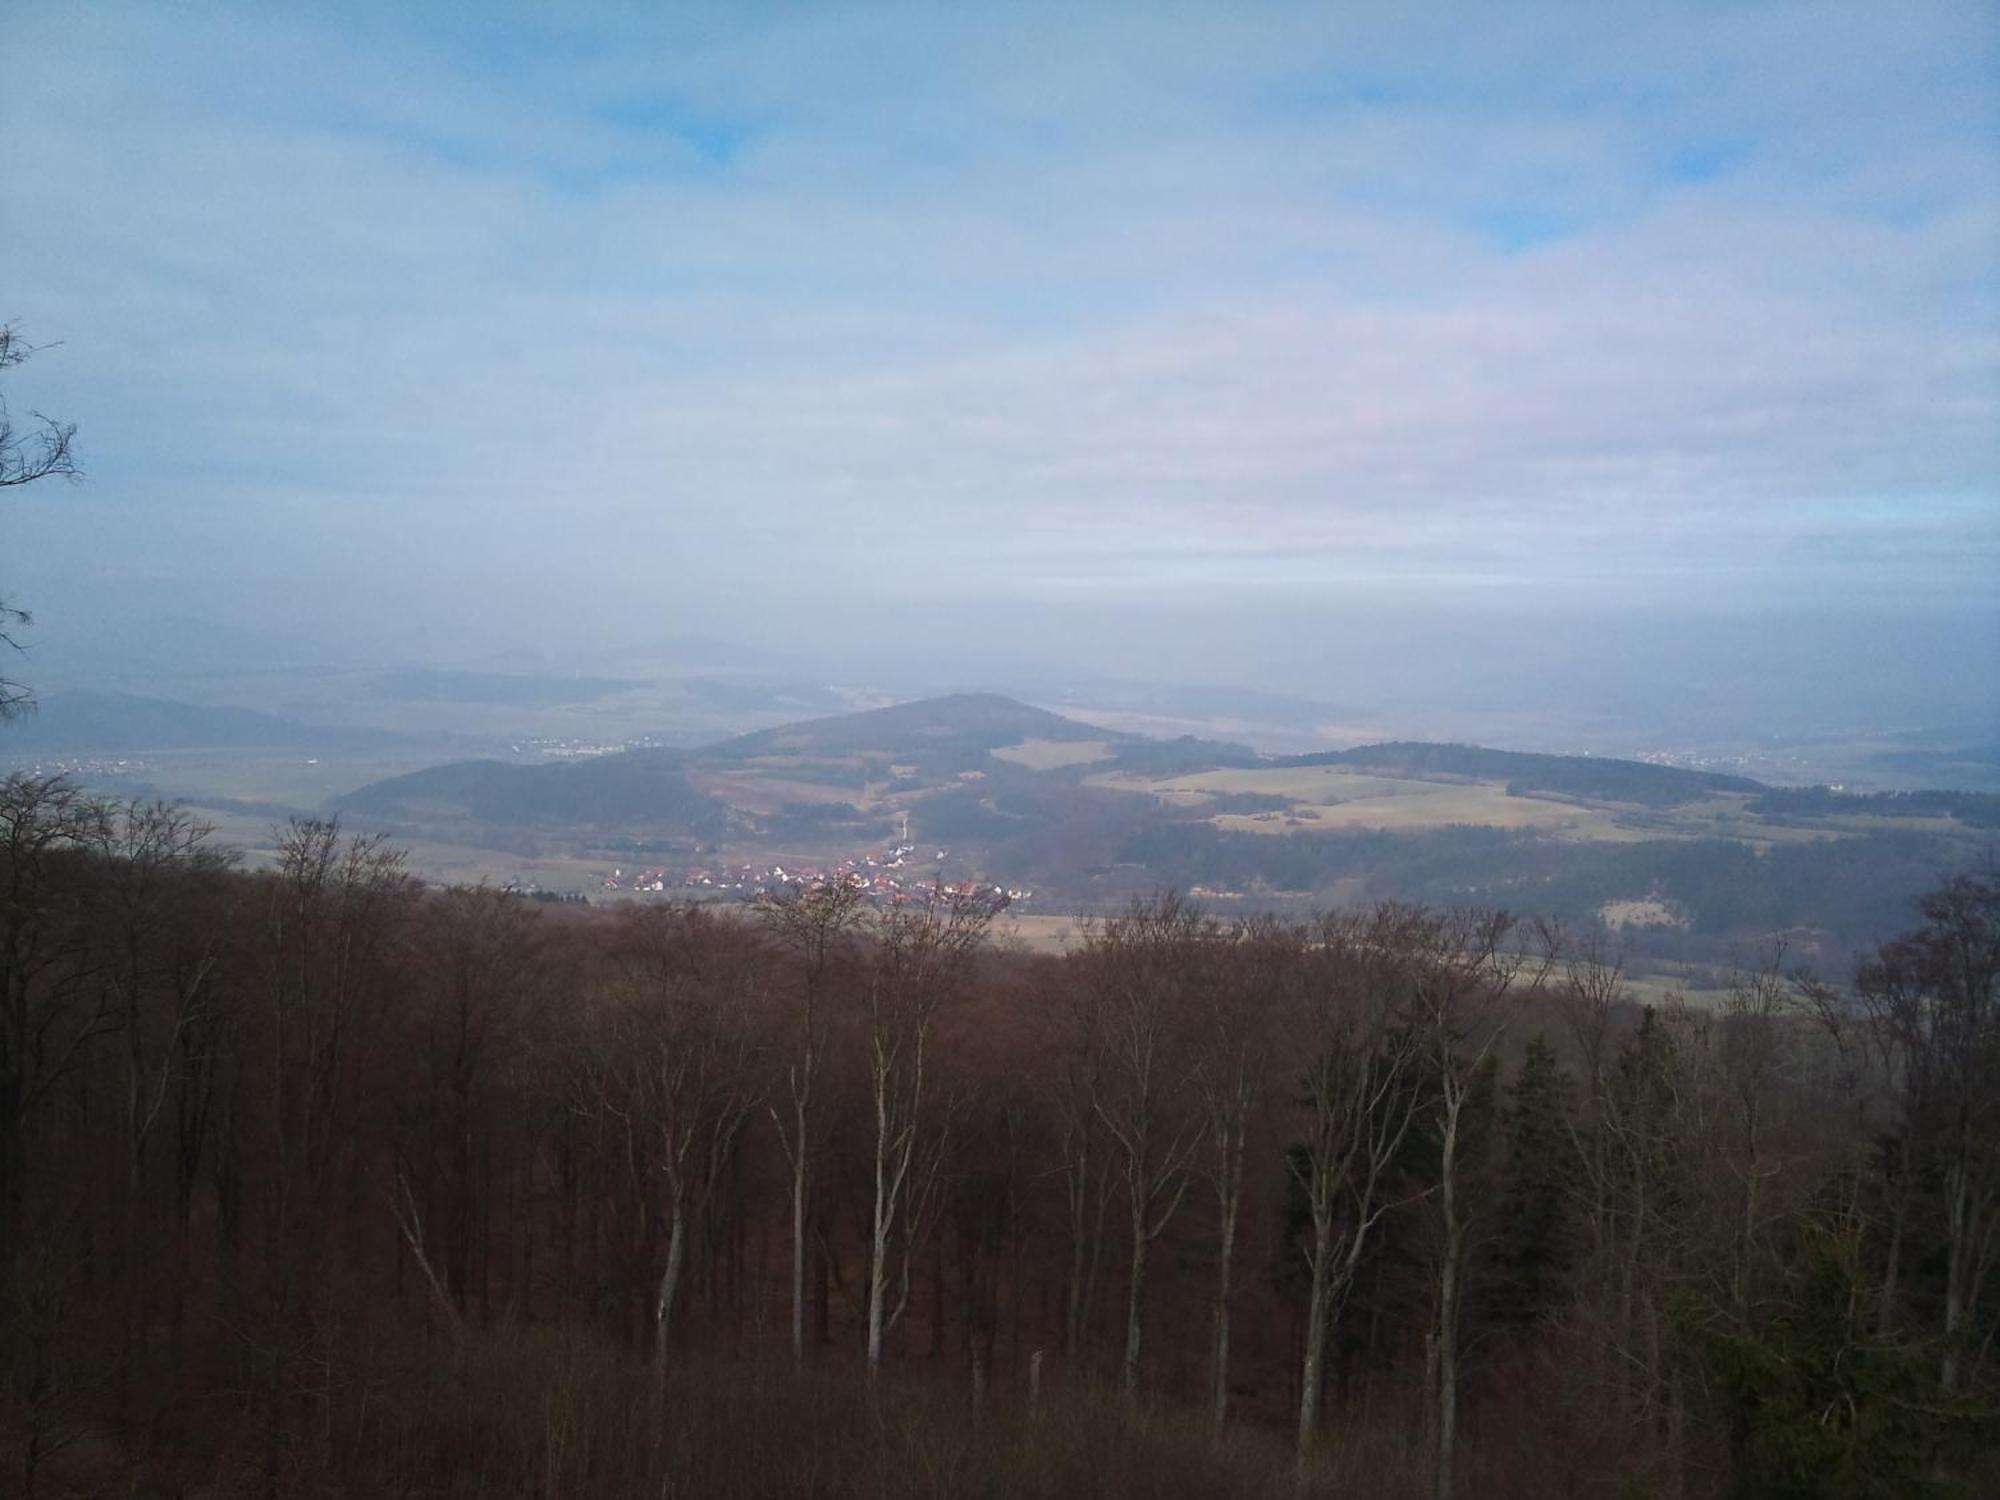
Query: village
point(875, 875)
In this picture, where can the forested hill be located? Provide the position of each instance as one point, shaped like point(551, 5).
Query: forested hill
point(981, 721)
point(1634, 781)
point(641, 785)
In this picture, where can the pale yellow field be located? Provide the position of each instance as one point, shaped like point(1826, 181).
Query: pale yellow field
point(1049, 755)
point(1337, 797)
point(1487, 807)
point(758, 793)
point(1323, 786)
point(1037, 932)
point(1332, 797)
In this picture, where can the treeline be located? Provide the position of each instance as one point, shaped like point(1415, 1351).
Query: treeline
point(313, 1180)
point(1637, 781)
point(1973, 809)
point(1853, 891)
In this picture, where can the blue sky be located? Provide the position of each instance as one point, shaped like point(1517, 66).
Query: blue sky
point(511, 321)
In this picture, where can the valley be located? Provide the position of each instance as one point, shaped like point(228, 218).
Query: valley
point(1683, 870)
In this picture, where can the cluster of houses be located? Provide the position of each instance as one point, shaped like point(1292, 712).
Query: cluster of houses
point(873, 875)
point(551, 747)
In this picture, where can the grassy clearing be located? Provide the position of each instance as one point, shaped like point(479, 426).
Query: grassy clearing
point(1334, 798)
point(1440, 806)
point(1050, 755)
point(753, 792)
point(1322, 785)
point(1038, 932)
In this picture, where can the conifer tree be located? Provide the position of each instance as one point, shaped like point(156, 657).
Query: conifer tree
point(1534, 1243)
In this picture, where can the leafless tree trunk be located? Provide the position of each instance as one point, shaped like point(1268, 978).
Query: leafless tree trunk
point(1359, 1102)
point(1073, 1072)
point(1137, 966)
point(921, 957)
point(1932, 996)
point(1466, 990)
point(815, 925)
point(1241, 993)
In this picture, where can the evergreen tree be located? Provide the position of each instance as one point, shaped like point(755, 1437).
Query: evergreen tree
point(1824, 1407)
point(1534, 1244)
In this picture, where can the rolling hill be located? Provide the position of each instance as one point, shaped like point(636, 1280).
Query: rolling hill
point(961, 725)
point(127, 722)
point(800, 780)
point(648, 788)
point(988, 787)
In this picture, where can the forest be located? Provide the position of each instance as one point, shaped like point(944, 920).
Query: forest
point(317, 1180)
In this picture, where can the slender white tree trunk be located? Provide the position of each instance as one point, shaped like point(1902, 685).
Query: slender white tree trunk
point(1135, 1304)
point(1312, 1380)
point(1231, 1203)
point(670, 1280)
point(799, 1245)
point(878, 1253)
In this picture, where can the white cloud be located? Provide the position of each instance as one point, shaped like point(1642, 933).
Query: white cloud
point(1144, 300)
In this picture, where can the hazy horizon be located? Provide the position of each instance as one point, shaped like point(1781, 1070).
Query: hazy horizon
point(1632, 364)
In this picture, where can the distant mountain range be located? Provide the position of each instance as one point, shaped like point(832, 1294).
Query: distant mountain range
point(79, 722)
point(927, 743)
point(1687, 865)
point(957, 754)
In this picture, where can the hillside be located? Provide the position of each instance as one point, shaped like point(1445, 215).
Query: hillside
point(961, 726)
point(1686, 862)
point(642, 787)
point(1639, 782)
point(800, 781)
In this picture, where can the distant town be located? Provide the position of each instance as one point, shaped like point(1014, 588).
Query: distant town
point(875, 875)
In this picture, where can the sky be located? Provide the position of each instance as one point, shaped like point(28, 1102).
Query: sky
point(451, 327)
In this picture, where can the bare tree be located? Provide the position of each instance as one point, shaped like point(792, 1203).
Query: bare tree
point(44, 451)
point(1756, 1047)
point(1243, 993)
point(1465, 994)
point(1138, 969)
point(49, 1013)
point(160, 976)
point(333, 904)
point(1359, 1100)
point(683, 1071)
point(1072, 1075)
point(921, 957)
point(1933, 995)
point(816, 924)
point(477, 967)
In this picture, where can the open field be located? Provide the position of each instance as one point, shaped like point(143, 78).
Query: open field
point(759, 793)
point(1038, 932)
point(1050, 755)
point(1337, 797)
point(1324, 785)
point(1486, 807)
